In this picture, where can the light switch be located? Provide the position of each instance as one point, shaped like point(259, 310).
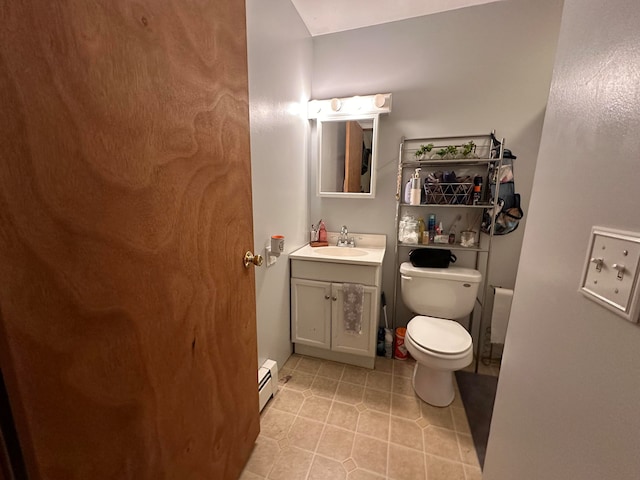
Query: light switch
point(610, 275)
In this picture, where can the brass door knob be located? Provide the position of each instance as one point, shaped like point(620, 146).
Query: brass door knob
point(250, 258)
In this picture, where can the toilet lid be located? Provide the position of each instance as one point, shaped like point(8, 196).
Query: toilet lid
point(439, 335)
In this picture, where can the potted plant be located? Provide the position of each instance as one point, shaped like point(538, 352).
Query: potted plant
point(469, 150)
point(421, 153)
point(451, 152)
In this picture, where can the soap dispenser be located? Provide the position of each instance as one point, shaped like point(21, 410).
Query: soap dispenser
point(322, 232)
point(415, 188)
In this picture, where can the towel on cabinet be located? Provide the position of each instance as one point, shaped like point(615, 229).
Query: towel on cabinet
point(352, 307)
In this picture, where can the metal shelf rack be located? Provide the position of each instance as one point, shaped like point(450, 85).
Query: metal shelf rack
point(488, 165)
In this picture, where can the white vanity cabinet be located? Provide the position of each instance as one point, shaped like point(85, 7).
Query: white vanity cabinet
point(318, 319)
point(317, 306)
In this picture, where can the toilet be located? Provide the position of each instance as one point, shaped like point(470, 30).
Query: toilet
point(439, 344)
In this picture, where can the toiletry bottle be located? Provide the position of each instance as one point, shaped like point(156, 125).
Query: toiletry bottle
point(477, 189)
point(407, 192)
point(421, 230)
point(415, 188)
point(380, 347)
point(432, 227)
point(452, 234)
point(322, 232)
point(388, 343)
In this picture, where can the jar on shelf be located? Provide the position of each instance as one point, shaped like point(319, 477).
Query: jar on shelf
point(408, 229)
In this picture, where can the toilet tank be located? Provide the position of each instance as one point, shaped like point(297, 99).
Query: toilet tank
point(439, 292)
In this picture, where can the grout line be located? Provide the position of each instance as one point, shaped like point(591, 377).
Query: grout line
point(315, 375)
point(464, 472)
point(424, 462)
point(335, 400)
point(389, 437)
point(393, 384)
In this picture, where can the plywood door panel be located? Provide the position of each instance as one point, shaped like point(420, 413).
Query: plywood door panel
point(353, 158)
point(127, 320)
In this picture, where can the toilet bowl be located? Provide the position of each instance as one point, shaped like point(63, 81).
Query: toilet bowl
point(439, 344)
point(439, 347)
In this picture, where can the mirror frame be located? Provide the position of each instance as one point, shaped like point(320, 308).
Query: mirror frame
point(374, 156)
point(367, 107)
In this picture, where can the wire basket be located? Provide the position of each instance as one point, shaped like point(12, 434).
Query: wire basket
point(448, 193)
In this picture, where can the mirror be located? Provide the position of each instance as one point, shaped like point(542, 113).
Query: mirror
point(347, 150)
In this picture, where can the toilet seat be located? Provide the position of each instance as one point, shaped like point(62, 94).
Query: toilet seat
point(440, 337)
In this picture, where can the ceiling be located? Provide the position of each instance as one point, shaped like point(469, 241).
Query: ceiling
point(330, 16)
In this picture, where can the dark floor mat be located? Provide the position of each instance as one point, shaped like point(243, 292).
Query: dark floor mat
point(478, 392)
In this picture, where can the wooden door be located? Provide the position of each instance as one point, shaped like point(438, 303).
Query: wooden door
point(127, 319)
point(353, 157)
point(311, 313)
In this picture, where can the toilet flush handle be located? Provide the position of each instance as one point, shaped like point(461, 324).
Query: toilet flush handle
point(404, 277)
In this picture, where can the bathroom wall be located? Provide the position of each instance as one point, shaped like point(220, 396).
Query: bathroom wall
point(466, 71)
point(279, 56)
point(568, 394)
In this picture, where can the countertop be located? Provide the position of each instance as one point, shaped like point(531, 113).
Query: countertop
point(370, 250)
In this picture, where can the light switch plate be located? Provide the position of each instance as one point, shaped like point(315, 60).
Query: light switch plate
point(610, 276)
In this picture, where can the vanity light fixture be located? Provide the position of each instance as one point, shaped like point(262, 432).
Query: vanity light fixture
point(339, 107)
point(315, 106)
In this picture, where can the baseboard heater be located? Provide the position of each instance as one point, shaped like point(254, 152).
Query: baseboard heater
point(267, 382)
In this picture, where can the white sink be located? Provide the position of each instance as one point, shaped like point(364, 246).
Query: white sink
point(370, 250)
point(340, 251)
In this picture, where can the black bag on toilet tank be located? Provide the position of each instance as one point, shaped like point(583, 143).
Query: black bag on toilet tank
point(431, 258)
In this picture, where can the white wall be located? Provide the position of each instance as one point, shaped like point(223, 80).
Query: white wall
point(279, 55)
point(466, 71)
point(569, 388)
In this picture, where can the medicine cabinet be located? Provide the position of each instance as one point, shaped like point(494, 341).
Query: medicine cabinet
point(347, 144)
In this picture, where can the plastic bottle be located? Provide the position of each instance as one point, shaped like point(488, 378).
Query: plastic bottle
point(421, 229)
point(407, 193)
point(432, 227)
point(477, 189)
point(401, 350)
point(415, 188)
point(380, 347)
point(322, 232)
point(388, 343)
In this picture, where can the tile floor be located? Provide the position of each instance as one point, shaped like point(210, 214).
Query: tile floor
point(332, 421)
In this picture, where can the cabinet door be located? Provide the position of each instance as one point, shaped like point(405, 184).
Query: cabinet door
point(363, 343)
point(311, 313)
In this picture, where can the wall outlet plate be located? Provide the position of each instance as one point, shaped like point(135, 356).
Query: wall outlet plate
point(271, 259)
point(611, 272)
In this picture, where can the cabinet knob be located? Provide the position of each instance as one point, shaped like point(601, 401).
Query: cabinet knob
point(334, 298)
point(327, 297)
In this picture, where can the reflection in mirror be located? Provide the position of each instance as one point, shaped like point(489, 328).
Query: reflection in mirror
point(346, 153)
point(347, 137)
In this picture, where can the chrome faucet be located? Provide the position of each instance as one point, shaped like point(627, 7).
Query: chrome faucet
point(344, 240)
